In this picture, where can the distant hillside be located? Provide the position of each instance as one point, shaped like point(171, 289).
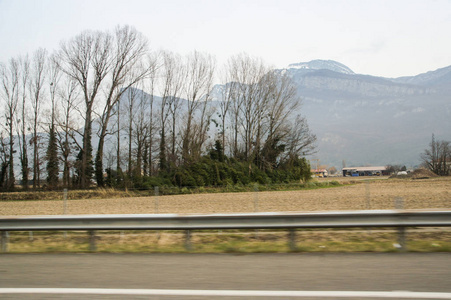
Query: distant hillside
point(363, 119)
point(440, 77)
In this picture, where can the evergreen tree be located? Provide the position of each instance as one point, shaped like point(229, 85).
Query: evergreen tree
point(99, 170)
point(89, 169)
point(52, 159)
point(217, 153)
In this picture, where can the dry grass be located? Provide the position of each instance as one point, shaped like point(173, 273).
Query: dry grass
point(99, 193)
point(433, 193)
point(232, 241)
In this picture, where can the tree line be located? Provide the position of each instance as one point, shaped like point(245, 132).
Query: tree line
point(104, 84)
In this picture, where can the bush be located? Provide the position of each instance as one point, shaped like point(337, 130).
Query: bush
point(153, 181)
point(185, 191)
point(215, 170)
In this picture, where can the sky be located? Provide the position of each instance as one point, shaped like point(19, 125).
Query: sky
point(377, 37)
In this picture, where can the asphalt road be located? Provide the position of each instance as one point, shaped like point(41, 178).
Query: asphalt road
point(429, 272)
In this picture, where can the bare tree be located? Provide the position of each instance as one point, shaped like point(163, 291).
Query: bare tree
point(437, 158)
point(150, 84)
point(23, 126)
point(170, 102)
point(300, 140)
point(66, 124)
point(248, 102)
point(234, 91)
point(201, 128)
point(141, 128)
point(198, 84)
point(118, 134)
point(133, 99)
point(37, 79)
point(174, 100)
point(275, 124)
point(87, 59)
point(127, 68)
point(254, 104)
point(227, 97)
point(10, 80)
point(36, 87)
point(262, 113)
point(134, 106)
point(54, 78)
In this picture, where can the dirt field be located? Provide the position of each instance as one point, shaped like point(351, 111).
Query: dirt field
point(433, 193)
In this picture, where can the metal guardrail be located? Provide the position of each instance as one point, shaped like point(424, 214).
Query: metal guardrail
point(381, 218)
point(341, 219)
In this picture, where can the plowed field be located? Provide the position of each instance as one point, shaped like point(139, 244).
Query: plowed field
point(377, 194)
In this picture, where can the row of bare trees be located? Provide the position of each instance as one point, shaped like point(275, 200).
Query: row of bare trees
point(22, 85)
point(262, 106)
point(105, 83)
point(81, 81)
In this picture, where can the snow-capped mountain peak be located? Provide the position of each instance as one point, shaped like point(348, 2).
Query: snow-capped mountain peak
point(319, 64)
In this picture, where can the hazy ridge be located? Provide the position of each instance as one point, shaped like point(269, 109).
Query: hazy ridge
point(365, 119)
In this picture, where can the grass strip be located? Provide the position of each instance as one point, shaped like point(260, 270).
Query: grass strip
point(227, 242)
point(103, 193)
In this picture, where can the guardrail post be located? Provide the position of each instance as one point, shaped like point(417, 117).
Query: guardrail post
point(188, 245)
point(65, 207)
point(256, 205)
point(4, 241)
point(402, 238)
point(92, 240)
point(292, 239)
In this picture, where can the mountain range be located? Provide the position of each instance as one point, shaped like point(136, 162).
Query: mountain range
point(368, 120)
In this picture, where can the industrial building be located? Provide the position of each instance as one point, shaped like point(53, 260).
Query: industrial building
point(365, 171)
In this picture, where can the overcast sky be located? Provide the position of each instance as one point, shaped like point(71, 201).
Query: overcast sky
point(383, 38)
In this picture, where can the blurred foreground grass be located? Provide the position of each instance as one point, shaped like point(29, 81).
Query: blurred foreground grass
point(431, 240)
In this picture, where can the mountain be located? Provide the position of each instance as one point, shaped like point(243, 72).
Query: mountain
point(369, 120)
point(440, 77)
point(319, 64)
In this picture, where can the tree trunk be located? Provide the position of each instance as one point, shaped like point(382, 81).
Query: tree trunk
point(99, 163)
point(11, 158)
point(86, 172)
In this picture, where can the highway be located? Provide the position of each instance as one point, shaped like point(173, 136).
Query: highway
point(368, 272)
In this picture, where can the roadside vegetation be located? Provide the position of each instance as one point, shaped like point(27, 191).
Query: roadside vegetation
point(230, 241)
point(106, 193)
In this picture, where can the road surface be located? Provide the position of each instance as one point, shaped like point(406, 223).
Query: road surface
point(367, 272)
